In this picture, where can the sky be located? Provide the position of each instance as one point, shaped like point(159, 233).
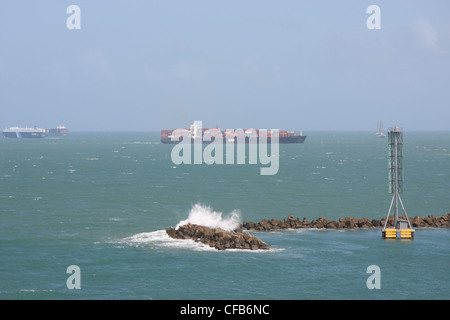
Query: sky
point(288, 65)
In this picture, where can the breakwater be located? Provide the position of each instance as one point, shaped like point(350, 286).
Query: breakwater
point(240, 238)
point(343, 223)
point(217, 238)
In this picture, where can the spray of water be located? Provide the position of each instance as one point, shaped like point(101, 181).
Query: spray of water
point(199, 214)
point(205, 216)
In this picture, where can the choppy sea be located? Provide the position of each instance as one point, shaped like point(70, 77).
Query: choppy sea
point(101, 202)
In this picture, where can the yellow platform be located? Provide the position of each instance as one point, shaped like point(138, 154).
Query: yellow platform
point(390, 233)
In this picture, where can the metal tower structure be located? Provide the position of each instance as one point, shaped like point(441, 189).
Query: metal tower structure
point(401, 227)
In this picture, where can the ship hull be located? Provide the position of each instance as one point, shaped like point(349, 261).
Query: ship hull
point(197, 134)
point(283, 140)
point(35, 135)
point(11, 134)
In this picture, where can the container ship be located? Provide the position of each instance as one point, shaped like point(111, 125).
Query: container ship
point(34, 132)
point(196, 132)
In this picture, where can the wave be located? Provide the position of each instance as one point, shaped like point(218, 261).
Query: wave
point(199, 214)
point(206, 216)
point(161, 239)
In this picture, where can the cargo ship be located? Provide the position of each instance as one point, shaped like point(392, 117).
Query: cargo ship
point(58, 131)
point(17, 132)
point(34, 132)
point(250, 135)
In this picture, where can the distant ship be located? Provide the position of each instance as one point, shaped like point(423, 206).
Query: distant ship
point(34, 132)
point(17, 132)
point(58, 131)
point(198, 133)
point(379, 133)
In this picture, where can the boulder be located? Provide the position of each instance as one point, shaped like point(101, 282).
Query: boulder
point(364, 223)
point(332, 225)
point(418, 222)
point(274, 222)
point(376, 223)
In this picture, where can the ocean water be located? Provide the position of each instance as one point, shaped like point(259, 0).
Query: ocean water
point(101, 201)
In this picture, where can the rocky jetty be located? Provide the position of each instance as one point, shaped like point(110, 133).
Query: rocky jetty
point(241, 239)
point(343, 223)
point(217, 238)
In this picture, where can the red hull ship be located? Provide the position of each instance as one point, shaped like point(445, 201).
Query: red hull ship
point(250, 135)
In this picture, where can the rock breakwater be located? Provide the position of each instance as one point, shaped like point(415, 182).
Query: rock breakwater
point(217, 238)
point(343, 223)
point(241, 239)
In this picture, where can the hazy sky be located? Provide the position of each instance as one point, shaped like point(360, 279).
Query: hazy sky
point(288, 64)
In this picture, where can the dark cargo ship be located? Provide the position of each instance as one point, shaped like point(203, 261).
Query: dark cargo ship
point(58, 131)
point(246, 135)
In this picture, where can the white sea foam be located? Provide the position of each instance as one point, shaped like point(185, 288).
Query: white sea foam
point(160, 238)
point(205, 216)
